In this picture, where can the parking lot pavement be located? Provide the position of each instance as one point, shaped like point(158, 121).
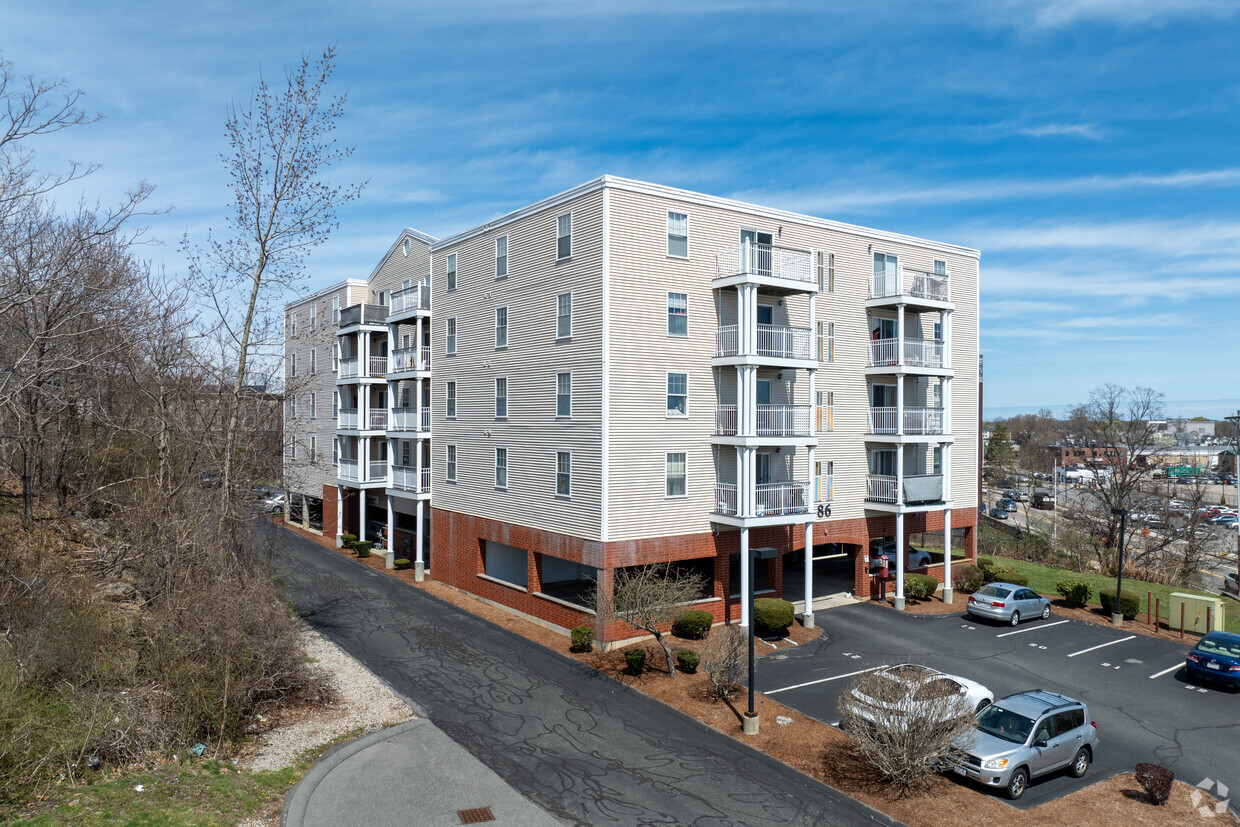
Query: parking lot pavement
point(1134, 685)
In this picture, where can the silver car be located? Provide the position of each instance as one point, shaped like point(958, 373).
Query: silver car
point(1008, 603)
point(1027, 735)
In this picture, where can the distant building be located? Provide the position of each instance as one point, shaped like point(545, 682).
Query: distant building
point(1085, 455)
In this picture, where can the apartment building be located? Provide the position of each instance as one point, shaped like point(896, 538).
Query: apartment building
point(627, 374)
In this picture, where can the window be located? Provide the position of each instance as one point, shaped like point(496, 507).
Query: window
point(563, 394)
point(501, 467)
point(940, 268)
point(938, 460)
point(335, 404)
point(501, 256)
point(314, 361)
point(676, 482)
point(336, 356)
point(450, 335)
point(826, 271)
point(335, 310)
point(292, 407)
point(830, 341)
point(335, 451)
point(450, 400)
point(381, 298)
point(314, 317)
point(292, 451)
point(451, 271)
point(938, 331)
point(564, 235)
point(563, 315)
point(450, 464)
point(314, 405)
point(312, 444)
point(678, 234)
point(501, 327)
point(678, 394)
point(501, 396)
point(830, 492)
point(677, 314)
point(830, 410)
point(293, 365)
point(405, 247)
point(563, 473)
point(292, 324)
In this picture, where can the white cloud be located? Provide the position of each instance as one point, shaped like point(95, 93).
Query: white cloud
point(1078, 130)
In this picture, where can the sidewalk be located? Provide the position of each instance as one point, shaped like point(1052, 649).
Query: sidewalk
point(409, 774)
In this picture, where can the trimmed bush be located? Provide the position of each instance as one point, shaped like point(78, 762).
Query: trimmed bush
point(1076, 593)
point(1156, 780)
point(347, 540)
point(402, 562)
point(582, 639)
point(694, 624)
point(635, 660)
point(1009, 576)
point(687, 660)
point(988, 567)
point(1131, 604)
point(772, 617)
point(967, 577)
point(920, 586)
point(362, 548)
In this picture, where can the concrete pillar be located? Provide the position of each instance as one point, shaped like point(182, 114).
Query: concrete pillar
point(419, 561)
point(339, 513)
point(947, 546)
point(361, 512)
point(900, 334)
point(900, 562)
point(305, 513)
point(808, 615)
point(389, 554)
point(745, 584)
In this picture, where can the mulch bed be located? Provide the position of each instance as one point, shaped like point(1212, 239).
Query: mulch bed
point(821, 751)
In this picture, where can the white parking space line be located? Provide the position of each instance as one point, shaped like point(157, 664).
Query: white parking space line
point(1165, 671)
point(1101, 646)
point(1032, 629)
point(824, 680)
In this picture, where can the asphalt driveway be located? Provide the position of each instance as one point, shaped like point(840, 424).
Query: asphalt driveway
point(1134, 685)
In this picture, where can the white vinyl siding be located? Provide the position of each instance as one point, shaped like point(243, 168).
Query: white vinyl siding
point(564, 235)
point(501, 257)
point(678, 234)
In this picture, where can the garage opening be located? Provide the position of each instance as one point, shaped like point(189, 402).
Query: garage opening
point(568, 581)
point(833, 571)
point(505, 563)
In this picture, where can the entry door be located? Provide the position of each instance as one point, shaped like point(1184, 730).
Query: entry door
point(764, 391)
point(883, 463)
point(886, 275)
point(760, 250)
point(764, 467)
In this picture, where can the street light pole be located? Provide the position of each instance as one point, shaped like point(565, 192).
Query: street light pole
point(1117, 616)
point(1235, 473)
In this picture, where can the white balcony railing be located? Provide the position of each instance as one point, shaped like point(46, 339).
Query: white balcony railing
point(378, 470)
point(417, 297)
point(347, 420)
point(378, 366)
point(880, 488)
point(426, 480)
point(347, 469)
point(783, 420)
point(726, 423)
point(782, 498)
point(348, 368)
point(378, 419)
point(916, 283)
point(406, 478)
point(918, 488)
point(727, 340)
point(411, 419)
point(764, 260)
point(883, 420)
point(775, 341)
point(921, 353)
point(403, 359)
point(725, 498)
point(923, 420)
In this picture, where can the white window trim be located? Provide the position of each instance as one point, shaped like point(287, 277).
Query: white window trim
point(314, 405)
point(503, 379)
point(293, 365)
point(559, 257)
point(313, 446)
point(450, 271)
point(314, 361)
point(335, 310)
point(449, 339)
point(666, 495)
point(451, 383)
point(569, 334)
point(671, 293)
point(555, 477)
point(504, 346)
point(335, 451)
point(668, 236)
point(501, 486)
point(449, 465)
point(314, 317)
point(498, 274)
point(569, 374)
point(667, 376)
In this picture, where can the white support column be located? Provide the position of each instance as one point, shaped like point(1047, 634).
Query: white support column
point(900, 562)
point(947, 404)
point(361, 511)
point(417, 349)
point(947, 546)
point(900, 334)
point(390, 552)
point(900, 404)
point(745, 584)
point(808, 614)
point(339, 513)
point(419, 560)
point(947, 338)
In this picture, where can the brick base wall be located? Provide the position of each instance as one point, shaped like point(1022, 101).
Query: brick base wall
point(330, 506)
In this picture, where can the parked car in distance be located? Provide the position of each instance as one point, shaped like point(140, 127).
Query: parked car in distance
point(1008, 504)
point(1027, 735)
point(1232, 581)
point(1043, 499)
point(1215, 658)
point(1227, 520)
point(273, 504)
point(1016, 495)
point(908, 688)
point(999, 513)
point(917, 558)
point(1008, 603)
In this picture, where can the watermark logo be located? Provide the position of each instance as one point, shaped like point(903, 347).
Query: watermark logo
point(1205, 809)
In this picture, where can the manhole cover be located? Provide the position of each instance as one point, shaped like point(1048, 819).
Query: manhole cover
point(477, 815)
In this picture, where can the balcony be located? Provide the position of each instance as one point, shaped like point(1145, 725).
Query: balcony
point(764, 260)
point(411, 419)
point(372, 314)
point(348, 368)
point(773, 341)
point(772, 420)
point(378, 419)
point(408, 478)
point(918, 353)
point(771, 499)
point(347, 469)
point(378, 366)
point(925, 488)
point(917, 284)
point(347, 419)
point(406, 359)
point(378, 470)
point(411, 299)
point(917, 421)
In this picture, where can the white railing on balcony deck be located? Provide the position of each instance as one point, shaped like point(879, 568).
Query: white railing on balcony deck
point(764, 260)
point(883, 420)
point(923, 420)
point(405, 477)
point(417, 297)
point(378, 418)
point(922, 353)
point(725, 420)
point(347, 420)
point(905, 282)
point(378, 366)
point(404, 359)
point(725, 498)
point(347, 469)
point(782, 498)
point(411, 419)
point(783, 420)
point(784, 342)
point(880, 488)
point(348, 368)
point(883, 352)
point(727, 340)
point(378, 470)
point(426, 480)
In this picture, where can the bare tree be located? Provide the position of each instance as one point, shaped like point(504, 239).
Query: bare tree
point(725, 659)
point(282, 147)
point(648, 598)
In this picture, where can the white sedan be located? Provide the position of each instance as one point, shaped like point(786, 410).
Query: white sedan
point(901, 691)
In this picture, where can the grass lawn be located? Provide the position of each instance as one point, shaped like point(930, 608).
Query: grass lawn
point(1042, 579)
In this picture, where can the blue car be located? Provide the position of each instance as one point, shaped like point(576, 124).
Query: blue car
point(1216, 657)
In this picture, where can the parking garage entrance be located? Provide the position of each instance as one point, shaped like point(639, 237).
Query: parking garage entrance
point(834, 575)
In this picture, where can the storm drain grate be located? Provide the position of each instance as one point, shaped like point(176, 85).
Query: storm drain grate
point(476, 816)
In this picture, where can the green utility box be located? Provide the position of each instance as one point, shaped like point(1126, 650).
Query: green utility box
point(1201, 614)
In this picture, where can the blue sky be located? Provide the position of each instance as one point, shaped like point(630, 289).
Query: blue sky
point(1088, 147)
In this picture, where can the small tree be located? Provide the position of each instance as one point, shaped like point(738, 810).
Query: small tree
point(649, 598)
point(725, 661)
point(905, 729)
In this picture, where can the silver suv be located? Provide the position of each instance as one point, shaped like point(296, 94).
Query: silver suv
point(1026, 735)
